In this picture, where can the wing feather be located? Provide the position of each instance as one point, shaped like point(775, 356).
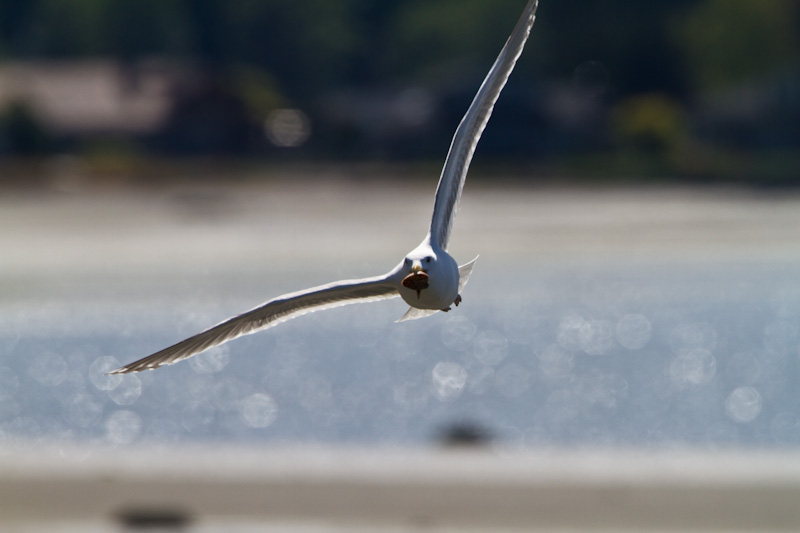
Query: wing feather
point(468, 133)
point(270, 314)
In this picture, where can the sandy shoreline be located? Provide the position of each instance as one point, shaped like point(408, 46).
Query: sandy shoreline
point(434, 490)
point(163, 231)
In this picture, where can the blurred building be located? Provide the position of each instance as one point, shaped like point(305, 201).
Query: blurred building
point(162, 106)
point(90, 97)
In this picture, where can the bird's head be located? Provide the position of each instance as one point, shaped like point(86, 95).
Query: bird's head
point(417, 267)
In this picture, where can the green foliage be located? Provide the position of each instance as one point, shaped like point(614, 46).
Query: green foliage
point(311, 45)
point(431, 34)
point(650, 123)
point(646, 62)
point(331, 42)
point(258, 91)
point(111, 157)
point(731, 41)
point(135, 28)
point(306, 44)
point(68, 28)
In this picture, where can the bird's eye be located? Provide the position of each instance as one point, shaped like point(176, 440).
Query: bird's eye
point(428, 259)
point(407, 261)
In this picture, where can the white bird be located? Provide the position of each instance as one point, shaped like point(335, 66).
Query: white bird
point(428, 278)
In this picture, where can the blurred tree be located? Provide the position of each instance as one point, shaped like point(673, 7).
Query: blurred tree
point(207, 118)
point(248, 57)
point(133, 29)
point(650, 123)
point(631, 39)
point(309, 46)
point(16, 18)
point(258, 90)
point(431, 35)
point(67, 28)
point(731, 41)
point(21, 131)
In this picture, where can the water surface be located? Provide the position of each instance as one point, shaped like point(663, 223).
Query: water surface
point(595, 318)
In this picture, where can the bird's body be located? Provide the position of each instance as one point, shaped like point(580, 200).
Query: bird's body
point(428, 279)
point(440, 275)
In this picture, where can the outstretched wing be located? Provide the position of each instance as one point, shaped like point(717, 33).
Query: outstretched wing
point(469, 130)
point(270, 314)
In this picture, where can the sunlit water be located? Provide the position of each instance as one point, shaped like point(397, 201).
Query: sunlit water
point(629, 344)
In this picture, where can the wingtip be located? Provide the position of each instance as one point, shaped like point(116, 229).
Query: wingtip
point(132, 368)
point(414, 313)
point(119, 371)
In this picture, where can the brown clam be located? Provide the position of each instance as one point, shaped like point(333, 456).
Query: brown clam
point(416, 281)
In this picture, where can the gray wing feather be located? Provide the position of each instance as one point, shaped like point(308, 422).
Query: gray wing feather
point(270, 314)
point(464, 272)
point(414, 313)
point(469, 130)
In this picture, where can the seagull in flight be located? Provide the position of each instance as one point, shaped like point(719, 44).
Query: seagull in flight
point(428, 279)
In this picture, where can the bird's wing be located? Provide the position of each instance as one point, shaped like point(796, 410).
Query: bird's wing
point(414, 313)
point(469, 130)
point(270, 314)
point(464, 272)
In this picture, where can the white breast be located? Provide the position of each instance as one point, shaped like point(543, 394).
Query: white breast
point(442, 286)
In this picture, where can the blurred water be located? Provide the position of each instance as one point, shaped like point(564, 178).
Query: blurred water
point(622, 348)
